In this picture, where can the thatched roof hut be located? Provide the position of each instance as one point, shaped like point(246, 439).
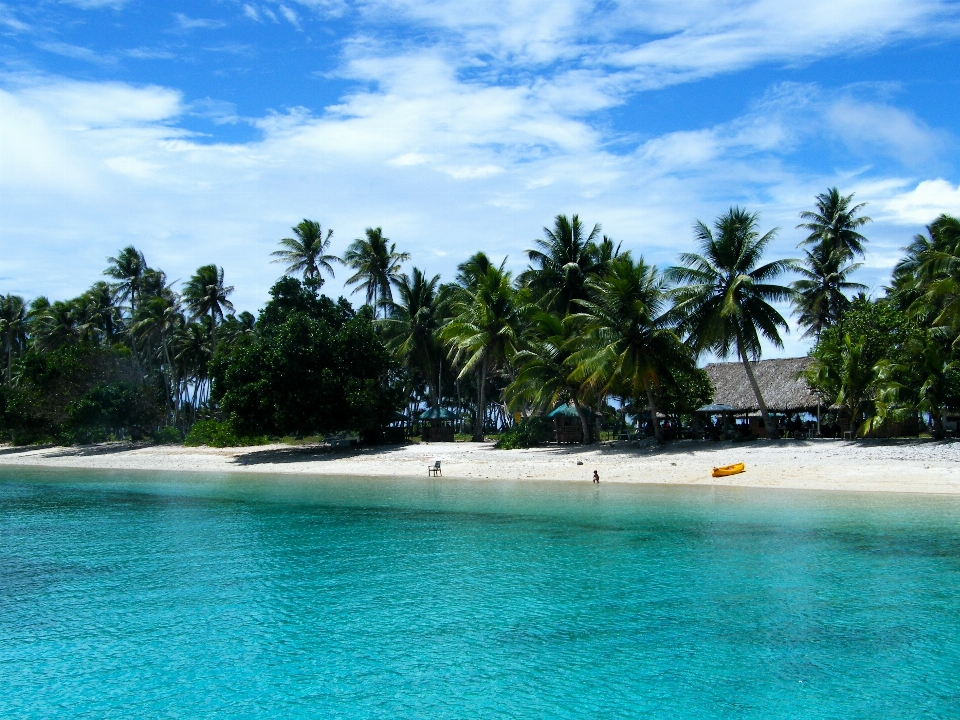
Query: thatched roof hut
point(780, 381)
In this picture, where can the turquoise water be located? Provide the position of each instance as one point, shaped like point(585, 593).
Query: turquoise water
point(147, 596)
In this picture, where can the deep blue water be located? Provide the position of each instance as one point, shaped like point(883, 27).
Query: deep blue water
point(149, 596)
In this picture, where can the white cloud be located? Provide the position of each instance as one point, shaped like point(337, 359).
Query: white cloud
point(290, 16)
point(869, 127)
point(74, 51)
point(924, 203)
point(189, 23)
point(97, 4)
point(473, 142)
point(10, 21)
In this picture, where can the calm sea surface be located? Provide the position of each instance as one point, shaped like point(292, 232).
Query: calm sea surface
point(182, 596)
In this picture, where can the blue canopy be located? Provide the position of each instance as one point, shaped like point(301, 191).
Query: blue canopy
point(437, 414)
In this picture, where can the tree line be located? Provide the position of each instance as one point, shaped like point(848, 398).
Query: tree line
point(586, 321)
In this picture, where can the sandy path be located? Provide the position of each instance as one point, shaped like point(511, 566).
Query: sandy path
point(896, 466)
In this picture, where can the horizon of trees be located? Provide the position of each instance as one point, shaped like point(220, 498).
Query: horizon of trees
point(583, 323)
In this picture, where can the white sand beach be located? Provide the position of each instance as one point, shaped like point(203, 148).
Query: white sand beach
point(921, 466)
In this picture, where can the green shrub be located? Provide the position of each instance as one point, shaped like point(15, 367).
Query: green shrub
point(528, 433)
point(167, 436)
point(218, 434)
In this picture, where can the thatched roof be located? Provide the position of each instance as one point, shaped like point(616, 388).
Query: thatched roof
point(781, 385)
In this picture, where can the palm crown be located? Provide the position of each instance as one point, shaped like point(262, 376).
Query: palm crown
point(723, 302)
point(206, 294)
point(834, 224)
point(306, 253)
point(377, 264)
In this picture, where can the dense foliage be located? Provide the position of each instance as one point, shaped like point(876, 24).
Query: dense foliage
point(313, 366)
point(584, 324)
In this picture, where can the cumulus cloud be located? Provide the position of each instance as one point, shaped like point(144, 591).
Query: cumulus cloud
point(924, 203)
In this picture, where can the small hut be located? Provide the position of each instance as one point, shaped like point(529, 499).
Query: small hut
point(781, 381)
point(566, 424)
point(436, 425)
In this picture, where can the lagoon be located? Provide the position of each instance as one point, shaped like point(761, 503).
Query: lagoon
point(228, 596)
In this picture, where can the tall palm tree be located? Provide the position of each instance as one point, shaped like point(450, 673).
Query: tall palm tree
point(376, 263)
point(630, 344)
point(307, 252)
point(820, 298)
point(205, 294)
point(128, 269)
point(834, 225)
point(410, 326)
point(158, 319)
point(484, 331)
point(723, 299)
point(13, 328)
point(561, 262)
point(927, 280)
point(193, 354)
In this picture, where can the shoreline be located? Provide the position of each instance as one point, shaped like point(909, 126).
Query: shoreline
point(901, 466)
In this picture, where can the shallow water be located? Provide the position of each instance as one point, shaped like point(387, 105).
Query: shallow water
point(195, 596)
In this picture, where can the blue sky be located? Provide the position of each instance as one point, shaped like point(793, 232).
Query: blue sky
point(201, 131)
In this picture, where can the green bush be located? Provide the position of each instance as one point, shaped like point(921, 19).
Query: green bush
point(528, 433)
point(218, 434)
point(167, 436)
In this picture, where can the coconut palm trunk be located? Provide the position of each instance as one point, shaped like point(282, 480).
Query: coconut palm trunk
point(652, 404)
point(481, 400)
point(584, 423)
point(767, 422)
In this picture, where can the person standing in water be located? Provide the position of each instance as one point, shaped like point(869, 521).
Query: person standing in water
point(596, 477)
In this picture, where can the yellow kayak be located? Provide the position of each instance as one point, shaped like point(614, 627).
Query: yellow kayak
point(728, 470)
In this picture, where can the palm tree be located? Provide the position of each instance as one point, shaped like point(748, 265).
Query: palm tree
point(128, 269)
point(842, 375)
point(927, 280)
point(629, 342)
point(484, 331)
point(723, 300)
point(307, 252)
point(377, 264)
point(820, 300)
point(561, 262)
point(546, 363)
point(193, 354)
point(411, 325)
point(834, 225)
point(205, 294)
point(159, 319)
point(13, 328)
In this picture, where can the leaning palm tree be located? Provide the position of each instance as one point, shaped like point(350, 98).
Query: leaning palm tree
point(820, 293)
point(484, 331)
point(13, 328)
point(561, 261)
point(629, 343)
point(205, 294)
point(306, 253)
point(834, 225)
point(376, 263)
point(722, 303)
point(128, 269)
point(410, 328)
